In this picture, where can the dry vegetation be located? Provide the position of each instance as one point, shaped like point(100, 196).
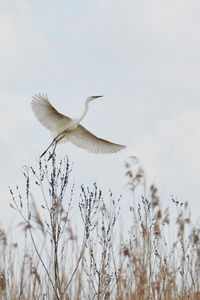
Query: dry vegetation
point(52, 262)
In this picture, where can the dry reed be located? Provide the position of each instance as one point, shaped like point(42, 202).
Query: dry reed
point(97, 261)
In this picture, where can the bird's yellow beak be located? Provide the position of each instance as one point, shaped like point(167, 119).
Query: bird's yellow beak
point(97, 96)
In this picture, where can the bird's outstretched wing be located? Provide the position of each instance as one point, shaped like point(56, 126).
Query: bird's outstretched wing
point(83, 138)
point(47, 114)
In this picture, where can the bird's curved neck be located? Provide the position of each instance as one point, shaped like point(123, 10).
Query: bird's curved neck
point(85, 111)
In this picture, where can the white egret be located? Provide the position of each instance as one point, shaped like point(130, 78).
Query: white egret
point(65, 129)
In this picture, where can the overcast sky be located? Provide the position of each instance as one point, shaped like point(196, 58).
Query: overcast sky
point(143, 56)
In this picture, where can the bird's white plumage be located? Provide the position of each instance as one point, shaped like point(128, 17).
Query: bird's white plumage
point(58, 123)
point(83, 138)
point(48, 115)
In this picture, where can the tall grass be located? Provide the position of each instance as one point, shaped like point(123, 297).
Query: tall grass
point(90, 257)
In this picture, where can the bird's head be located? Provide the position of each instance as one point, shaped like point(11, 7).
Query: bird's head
point(93, 97)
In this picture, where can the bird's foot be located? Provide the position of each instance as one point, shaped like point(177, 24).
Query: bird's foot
point(51, 155)
point(43, 153)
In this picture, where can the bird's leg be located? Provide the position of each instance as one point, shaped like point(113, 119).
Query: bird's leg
point(52, 152)
point(55, 147)
point(54, 141)
point(47, 148)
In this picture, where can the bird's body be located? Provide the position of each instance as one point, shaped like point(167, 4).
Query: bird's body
point(65, 129)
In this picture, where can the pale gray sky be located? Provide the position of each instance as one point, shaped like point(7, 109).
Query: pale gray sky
point(143, 56)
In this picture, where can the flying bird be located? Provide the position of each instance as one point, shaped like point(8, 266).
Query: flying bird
point(64, 129)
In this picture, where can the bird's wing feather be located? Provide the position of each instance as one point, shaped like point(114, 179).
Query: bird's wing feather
point(48, 115)
point(83, 138)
